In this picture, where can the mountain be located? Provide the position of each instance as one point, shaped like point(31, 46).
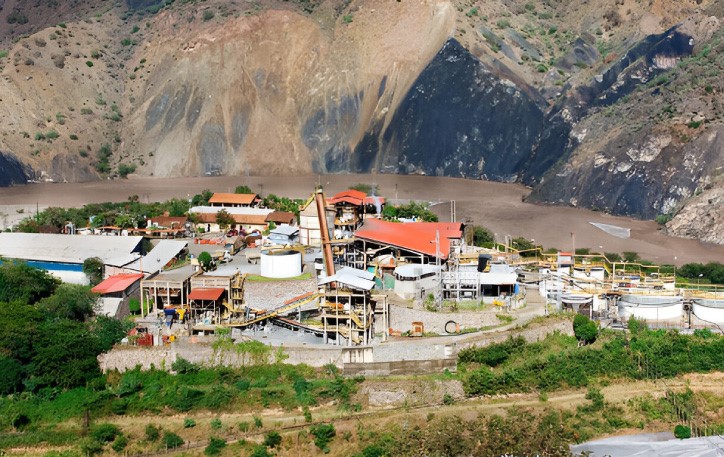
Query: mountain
point(610, 105)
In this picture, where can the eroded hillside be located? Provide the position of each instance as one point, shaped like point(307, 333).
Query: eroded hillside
point(612, 105)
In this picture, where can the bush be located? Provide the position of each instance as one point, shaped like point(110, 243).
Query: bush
point(216, 445)
point(105, 433)
point(172, 440)
point(52, 135)
point(682, 432)
point(125, 169)
point(323, 435)
point(584, 329)
point(89, 64)
point(152, 432)
point(120, 444)
point(272, 439)
point(208, 15)
point(215, 424)
point(189, 423)
point(205, 260)
point(260, 451)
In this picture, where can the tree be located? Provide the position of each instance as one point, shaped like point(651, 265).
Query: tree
point(323, 434)
point(631, 256)
point(66, 355)
point(70, 301)
point(205, 260)
point(11, 380)
point(584, 329)
point(93, 269)
point(20, 282)
point(224, 219)
point(482, 236)
point(243, 190)
point(203, 198)
point(19, 328)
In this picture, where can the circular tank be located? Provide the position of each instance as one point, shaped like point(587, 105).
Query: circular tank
point(709, 310)
point(650, 307)
point(285, 263)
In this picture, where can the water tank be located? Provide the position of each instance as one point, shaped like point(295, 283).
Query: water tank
point(651, 307)
point(709, 310)
point(285, 263)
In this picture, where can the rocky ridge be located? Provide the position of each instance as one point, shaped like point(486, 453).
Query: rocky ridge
point(608, 105)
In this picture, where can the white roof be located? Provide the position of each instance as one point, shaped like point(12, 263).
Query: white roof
point(159, 256)
point(350, 277)
point(68, 248)
point(245, 210)
point(285, 229)
point(364, 274)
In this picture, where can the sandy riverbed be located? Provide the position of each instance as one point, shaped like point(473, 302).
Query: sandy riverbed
point(497, 206)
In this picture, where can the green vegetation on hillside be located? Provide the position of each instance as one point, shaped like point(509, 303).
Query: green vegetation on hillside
point(558, 361)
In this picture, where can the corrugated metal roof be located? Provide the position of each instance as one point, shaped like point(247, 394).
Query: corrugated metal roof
point(364, 274)
point(209, 293)
point(159, 256)
point(68, 248)
point(117, 283)
point(413, 270)
point(349, 279)
point(414, 236)
point(287, 230)
point(233, 199)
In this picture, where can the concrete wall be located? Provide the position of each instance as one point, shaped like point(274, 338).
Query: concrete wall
point(401, 319)
point(400, 368)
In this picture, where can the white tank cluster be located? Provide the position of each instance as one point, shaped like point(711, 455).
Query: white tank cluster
point(651, 307)
point(285, 263)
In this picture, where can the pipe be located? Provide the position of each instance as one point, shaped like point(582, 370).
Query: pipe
point(324, 229)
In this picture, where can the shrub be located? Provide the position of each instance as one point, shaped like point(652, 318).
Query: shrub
point(260, 451)
point(584, 329)
point(124, 169)
point(120, 443)
point(208, 15)
point(86, 111)
point(447, 399)
point(243, 427)
point(216, 445)
point(183, 366)
point(73, 136)
point(3, 54)
point(39, 136)
point(89, 63)
point(347, 18)
point(257, 422)
point(205, 260)
point(52, 135)
point(189, 423)
point(472, 12)
point(503, 24)
point(682, 432)
point(272, 439)
point(172, 440)
point(323, 435)
point(152, 432)
point(126, 42)
point(105, 433)
point(215, 424)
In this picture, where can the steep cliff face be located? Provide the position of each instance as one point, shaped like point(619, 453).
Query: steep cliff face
point(607, 105)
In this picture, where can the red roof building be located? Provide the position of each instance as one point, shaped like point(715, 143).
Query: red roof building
point(117, 283)
point(417, 237)
point(168, 221)
point(234, 200)
point(351, 196)
point(281, 217)
point(207, 293)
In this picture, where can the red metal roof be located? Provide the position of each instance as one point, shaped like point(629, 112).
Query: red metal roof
point(372, 200)
point(354, 197)
point(280, 217)
point(209, 293)
point(233, 199)
point(116, 283)
point(412, 236)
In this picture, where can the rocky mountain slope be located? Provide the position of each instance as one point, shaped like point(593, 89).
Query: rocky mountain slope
point(614, 105)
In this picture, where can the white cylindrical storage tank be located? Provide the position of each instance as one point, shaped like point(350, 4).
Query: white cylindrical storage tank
point(709, 310)
point(285, 263)
point(651, 307)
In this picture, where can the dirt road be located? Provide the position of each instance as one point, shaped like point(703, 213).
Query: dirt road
point(497, 206)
